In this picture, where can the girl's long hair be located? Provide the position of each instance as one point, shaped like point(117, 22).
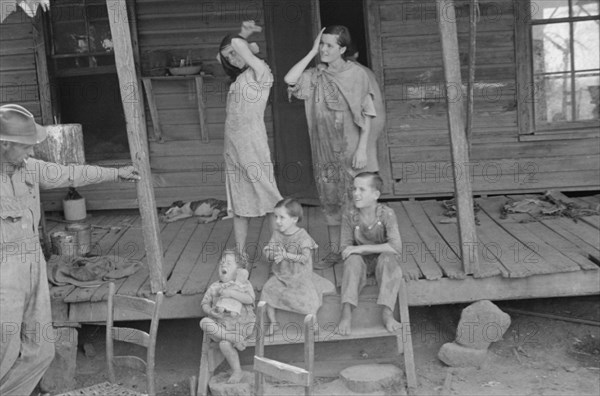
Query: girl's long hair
point(232, 71)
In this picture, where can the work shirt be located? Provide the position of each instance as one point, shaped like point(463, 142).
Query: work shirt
point(20, 201)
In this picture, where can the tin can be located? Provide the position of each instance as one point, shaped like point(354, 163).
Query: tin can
point(83, 233)
point(64, 243)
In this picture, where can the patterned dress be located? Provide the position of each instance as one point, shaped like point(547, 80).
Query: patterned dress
point(293, 286)
point(250, 180)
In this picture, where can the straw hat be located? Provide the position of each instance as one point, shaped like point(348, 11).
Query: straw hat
point(18, 125)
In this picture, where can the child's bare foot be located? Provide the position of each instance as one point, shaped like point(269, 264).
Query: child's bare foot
point(391, 324)
point(345, 326)
point(240, 345)
point(236, 377)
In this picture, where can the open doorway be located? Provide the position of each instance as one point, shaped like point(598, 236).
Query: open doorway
point(350, 14)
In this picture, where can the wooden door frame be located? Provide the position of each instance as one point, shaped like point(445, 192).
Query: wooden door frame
point(375, 53)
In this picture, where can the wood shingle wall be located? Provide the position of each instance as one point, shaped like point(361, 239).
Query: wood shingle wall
point(18, 79)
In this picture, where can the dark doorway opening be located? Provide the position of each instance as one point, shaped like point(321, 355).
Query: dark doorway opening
point(350, 14)
point(94, 101)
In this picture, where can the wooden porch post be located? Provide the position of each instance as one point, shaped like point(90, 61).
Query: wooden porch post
point(137, 136)
point(458, 142)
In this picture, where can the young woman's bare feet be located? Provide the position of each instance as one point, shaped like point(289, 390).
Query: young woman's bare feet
point(391, 324)
point(345, 326)
point(236, 377)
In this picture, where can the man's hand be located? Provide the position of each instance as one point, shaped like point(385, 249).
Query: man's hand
point(128, 173)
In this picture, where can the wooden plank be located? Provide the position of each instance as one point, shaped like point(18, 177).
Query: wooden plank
point(458, 144)
point(563, 245)
point(173, 252)
point(201, 274)
point(413, 247)
point(138, 284)
point(553, 259)
point(201, 108)
point(433, 243)
point(41, 65)
point(450, 291)
point(156, 127)
point(515, 256)
point(201, 251)
point(434, 210)
point(282, 371)
point(137, 138)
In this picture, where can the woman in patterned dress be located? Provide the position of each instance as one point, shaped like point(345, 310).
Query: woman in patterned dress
point(250, 181)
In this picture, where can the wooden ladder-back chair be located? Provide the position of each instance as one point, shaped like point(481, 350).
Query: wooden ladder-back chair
point(117, 305)
point(283, 371)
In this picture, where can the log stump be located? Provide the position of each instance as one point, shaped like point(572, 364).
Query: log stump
point(64, 145)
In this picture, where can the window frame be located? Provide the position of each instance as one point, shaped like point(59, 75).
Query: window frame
point(526, 85)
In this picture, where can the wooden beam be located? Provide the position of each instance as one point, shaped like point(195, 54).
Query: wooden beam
point(137, 137)
point(375, 53)
point(41, 65)
point(458, 141)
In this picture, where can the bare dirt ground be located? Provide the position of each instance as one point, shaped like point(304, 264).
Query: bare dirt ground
point(538, 356)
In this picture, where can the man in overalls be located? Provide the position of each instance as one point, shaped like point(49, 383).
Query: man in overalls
point(27, 338)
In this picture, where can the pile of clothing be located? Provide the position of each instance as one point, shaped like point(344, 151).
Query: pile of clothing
point(89, 271)
point(552, 203)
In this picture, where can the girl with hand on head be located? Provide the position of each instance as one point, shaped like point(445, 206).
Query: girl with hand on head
point(250, 181)
point(339, 98)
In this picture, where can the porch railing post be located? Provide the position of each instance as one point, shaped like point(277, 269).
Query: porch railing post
point(137, 137)
point(458, 140)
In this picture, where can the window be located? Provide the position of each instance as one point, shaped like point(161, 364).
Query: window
point(564, 64)
point(81, 40)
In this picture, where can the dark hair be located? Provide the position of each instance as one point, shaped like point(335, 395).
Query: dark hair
point(374, 178)
point(293, 207)
point(232, 71)
point(344, 39)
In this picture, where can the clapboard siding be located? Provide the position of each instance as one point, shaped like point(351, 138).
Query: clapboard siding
point(417, 127)
point(18, 76)
point(194, 28)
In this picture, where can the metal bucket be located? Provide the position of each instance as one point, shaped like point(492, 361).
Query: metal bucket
point(83, 233)
point(64, 243)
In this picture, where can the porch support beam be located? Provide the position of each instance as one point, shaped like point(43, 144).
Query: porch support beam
point(137, 137)
point(458, 140)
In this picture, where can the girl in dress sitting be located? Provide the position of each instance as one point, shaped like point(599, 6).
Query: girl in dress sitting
point(293, 285)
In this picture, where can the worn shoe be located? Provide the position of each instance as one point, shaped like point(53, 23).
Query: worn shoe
point(328, 261)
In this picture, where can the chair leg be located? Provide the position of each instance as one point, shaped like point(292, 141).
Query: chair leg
point(409, 357)
point(210, 359)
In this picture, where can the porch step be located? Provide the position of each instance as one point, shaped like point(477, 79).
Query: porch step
point(366, 321)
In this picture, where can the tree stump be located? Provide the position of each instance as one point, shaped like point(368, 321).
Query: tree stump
point(64, 145)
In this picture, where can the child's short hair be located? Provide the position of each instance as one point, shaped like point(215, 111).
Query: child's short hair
point(239, 262)
point(376, 180)
point(293, 207)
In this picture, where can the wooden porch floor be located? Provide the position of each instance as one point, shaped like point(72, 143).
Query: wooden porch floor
point(520, 257)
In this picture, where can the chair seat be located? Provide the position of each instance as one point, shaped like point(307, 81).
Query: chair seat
point(103, 389)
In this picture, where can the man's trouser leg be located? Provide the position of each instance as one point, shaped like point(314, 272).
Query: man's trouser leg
point(27, 337)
